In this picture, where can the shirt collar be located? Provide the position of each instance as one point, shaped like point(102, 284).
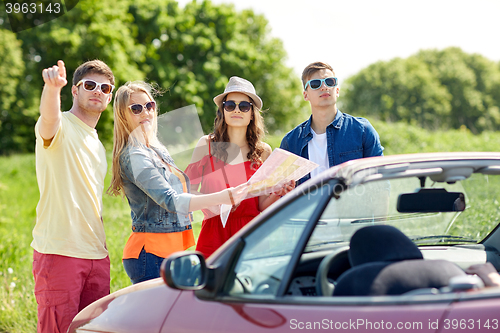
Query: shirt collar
point(336, 123)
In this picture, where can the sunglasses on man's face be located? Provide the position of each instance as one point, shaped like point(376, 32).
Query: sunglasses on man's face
point(138, 108)
point(330, 82)
point(90, 85)
point(230, 106)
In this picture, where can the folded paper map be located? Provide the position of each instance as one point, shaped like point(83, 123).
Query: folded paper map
point(279, 168)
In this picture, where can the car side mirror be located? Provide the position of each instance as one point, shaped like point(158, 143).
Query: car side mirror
point(185, 271)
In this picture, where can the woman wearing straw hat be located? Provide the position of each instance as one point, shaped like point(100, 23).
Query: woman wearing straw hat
point(157, 191)
point(228, 157)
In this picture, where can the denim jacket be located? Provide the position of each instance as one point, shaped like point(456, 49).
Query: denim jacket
point(348, 138)
point(155, 194)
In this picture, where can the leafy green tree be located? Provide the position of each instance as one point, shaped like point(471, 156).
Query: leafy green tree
point(432, 89)
point(190, 52)
point(14, 117)
point(95, 29)
point(471, 80)
point(400, 89)
point(194, 51)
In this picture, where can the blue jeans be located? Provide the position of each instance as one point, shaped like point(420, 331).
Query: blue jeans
point(144, 268)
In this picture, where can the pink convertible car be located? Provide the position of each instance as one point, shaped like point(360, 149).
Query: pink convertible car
point(377, 244)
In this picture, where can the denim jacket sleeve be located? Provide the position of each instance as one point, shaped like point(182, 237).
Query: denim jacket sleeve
point(145, 174)
point(284, 143)
point(371, 141)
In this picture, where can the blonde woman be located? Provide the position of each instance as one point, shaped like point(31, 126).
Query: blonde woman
point(157, 191)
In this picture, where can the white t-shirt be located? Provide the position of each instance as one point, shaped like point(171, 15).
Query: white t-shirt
point(317, 149)
point(70, 174)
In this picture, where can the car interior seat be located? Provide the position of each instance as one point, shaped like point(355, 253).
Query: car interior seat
point(385, 261)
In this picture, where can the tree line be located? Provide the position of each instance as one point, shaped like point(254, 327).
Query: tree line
point(434, 89)
point(191, 52)
point(188, 52)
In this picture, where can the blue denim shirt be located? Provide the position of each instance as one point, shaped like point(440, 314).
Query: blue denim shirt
point(347, 137)
point(155, 194)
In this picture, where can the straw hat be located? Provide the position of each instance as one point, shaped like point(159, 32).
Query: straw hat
point(237, 84)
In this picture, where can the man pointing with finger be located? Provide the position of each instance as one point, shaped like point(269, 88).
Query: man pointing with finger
point(70, 259)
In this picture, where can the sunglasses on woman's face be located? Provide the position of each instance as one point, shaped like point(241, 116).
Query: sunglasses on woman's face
point(138, 108)
point(230, 106)
point(90, 85)
point(330, 82)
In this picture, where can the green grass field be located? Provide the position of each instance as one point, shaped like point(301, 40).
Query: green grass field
point(18, 199)
point(19, 196)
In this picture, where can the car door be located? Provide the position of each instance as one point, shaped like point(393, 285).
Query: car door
point(474, 312)
point(285, 315)
point(252, 297)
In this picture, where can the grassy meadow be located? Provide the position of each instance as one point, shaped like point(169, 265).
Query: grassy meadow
point(19, 196)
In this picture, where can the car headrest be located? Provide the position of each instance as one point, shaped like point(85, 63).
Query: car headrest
point(381, 243)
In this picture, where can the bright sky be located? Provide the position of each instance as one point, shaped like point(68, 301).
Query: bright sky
point(352, 34)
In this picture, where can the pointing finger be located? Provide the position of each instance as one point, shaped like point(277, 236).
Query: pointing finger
point(62, 68)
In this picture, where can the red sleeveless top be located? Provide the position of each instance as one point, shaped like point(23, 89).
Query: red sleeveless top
point(215, 175)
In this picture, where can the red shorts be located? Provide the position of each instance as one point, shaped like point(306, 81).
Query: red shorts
point(66, 285)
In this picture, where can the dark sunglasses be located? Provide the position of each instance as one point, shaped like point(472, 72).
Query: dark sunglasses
point(138, 108)
point(316, 83)
point(90, 85)
point(230, 106)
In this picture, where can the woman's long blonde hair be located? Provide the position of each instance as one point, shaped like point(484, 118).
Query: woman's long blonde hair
point(123, 128)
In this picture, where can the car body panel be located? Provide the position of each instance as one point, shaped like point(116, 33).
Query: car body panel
point(154, 307)
point(474, 315)
point(129, 310)
point(226, 317)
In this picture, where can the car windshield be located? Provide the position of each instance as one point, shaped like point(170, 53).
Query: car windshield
point(376, 203)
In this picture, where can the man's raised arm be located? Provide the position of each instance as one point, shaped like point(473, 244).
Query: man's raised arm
point(50, 103)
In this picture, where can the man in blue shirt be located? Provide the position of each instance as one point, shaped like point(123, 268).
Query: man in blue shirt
point(329, 137)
